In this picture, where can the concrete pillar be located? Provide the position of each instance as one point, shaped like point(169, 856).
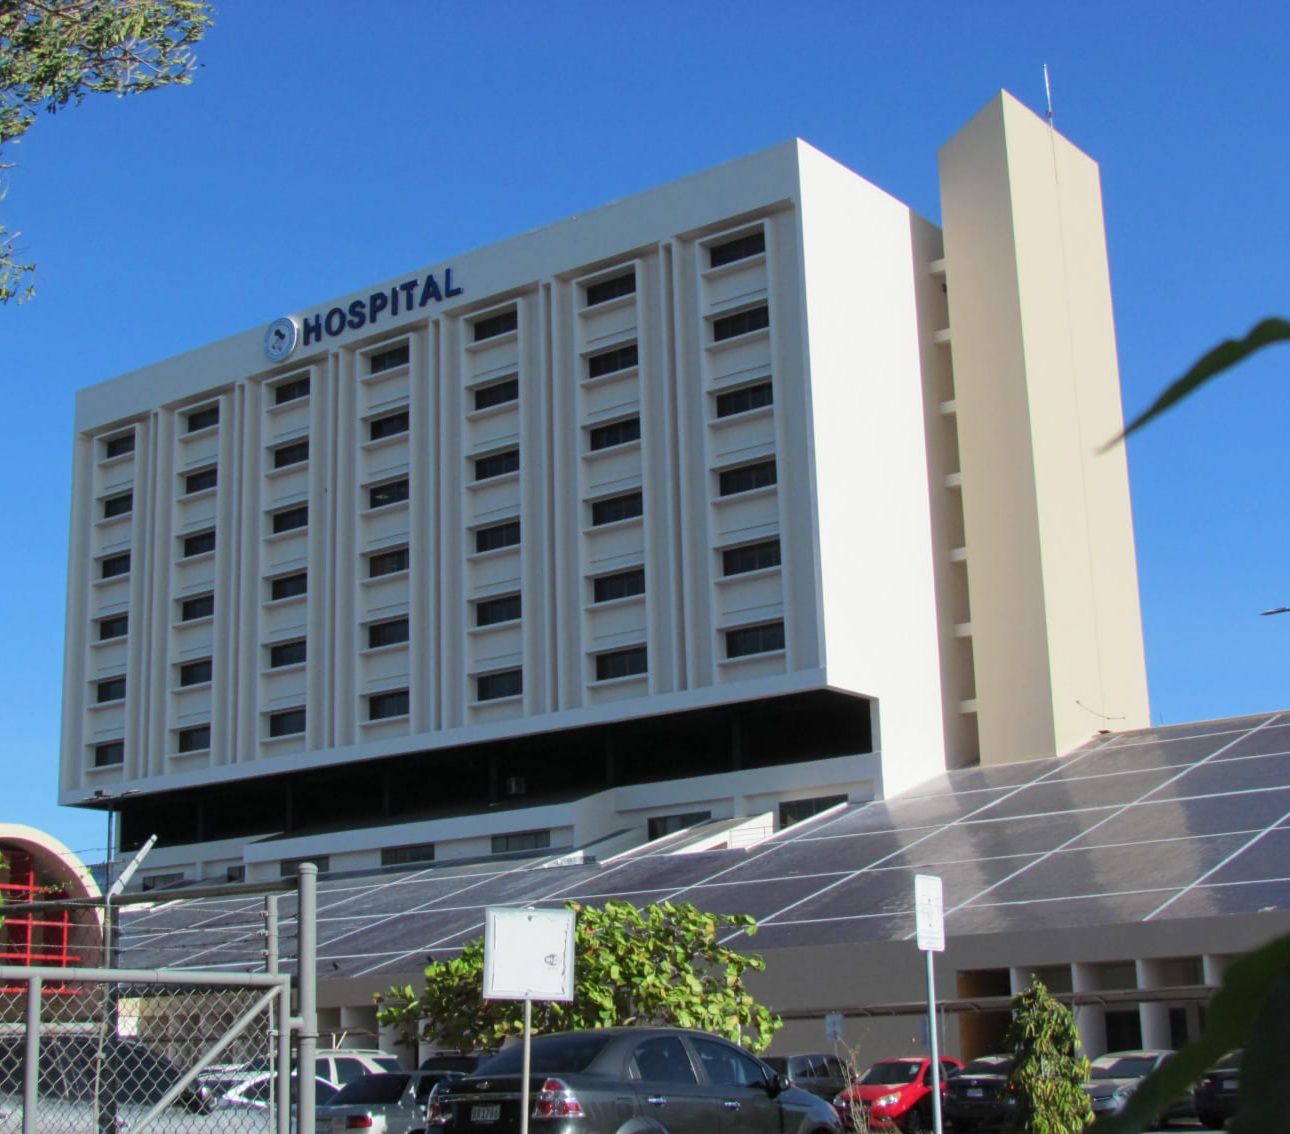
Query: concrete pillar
point(1154, 1017)
point(1090, 1019)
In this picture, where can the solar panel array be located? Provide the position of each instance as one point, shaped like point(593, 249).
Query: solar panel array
point(1172, 822)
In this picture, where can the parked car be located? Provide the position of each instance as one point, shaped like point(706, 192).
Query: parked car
point(454, 1061)
point(341, 1064)
point(638, 1078)
point(1114, 1077)
point(978, 1097)
point(391, 1102)
point(894, 1094)
point(1215, 1095)
point(257, 1093)
point(821, 1074)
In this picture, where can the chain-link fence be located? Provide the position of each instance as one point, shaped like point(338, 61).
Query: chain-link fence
point(86, 1051)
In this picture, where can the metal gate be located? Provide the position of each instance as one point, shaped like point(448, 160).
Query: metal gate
point(109, 1050)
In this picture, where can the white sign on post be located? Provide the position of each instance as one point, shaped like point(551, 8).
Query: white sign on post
point(929, 913)
point(528, 954)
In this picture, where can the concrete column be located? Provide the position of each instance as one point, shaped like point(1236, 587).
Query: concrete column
point(1090, 1019)
point(1154, 1017)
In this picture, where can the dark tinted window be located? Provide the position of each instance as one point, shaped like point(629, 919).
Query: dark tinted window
point(387, 633)
point(287, 586)
point(387, 562)
point(391, 492)
point(616, 433)
point(497, 464)
point(195, 673)
point(110, 753)
point(397, 856)
point(287, 653)
point(621, 585)
point(202, 418)
point(118, 446)
point(754, 640)
point(745, 399)
point(727, 1065)
point(203, 606)
point(292, 454)
point(289, 519)
point(195, 739)
point(606, 290)
point(550, 1055)
point(387, 1088)
point(200, 481)
point(497, 394)
point(609, 361)
point(388, 426)
point(747, 477)
point(110, 689)
point(289, 722)
point(491, 686)
point(740, 323)
point(496, 325)
point(199, 544)
point(388, 359)
point(118, 505)
point(617, 508)
point(750, 557)
point(620, 663)
point(499, 535)
point(114, 565)
point(795, 810)
point(290, 391)
point(740, 248)
point(115, 627)
point(391, 704)
point(491, 611)
point(663, 1059)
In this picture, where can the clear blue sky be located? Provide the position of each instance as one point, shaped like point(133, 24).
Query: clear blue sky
point(328, 145)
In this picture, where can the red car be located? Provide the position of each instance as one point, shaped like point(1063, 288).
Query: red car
point(894, 1094)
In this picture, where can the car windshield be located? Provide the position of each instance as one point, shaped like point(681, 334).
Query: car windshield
point(550, 1054)
point(388, 1063)
point(892, 1071)
point(386, 1088)
point(1123, 1066)
point(989, 1065)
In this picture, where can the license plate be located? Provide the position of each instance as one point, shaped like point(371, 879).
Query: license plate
point(1229, 1084)
point(975, 1093)
point(485, 1112)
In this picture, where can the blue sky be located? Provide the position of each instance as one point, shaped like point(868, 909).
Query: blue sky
point(327, 145)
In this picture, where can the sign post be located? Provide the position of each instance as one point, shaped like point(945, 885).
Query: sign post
point(929, 919)
point(528, 955)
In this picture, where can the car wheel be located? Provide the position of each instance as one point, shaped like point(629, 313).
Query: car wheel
point(915, 1121)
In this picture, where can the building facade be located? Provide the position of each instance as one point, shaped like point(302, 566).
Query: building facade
point(735, 499)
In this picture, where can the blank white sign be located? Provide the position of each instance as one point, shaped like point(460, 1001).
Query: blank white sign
point(528, 954)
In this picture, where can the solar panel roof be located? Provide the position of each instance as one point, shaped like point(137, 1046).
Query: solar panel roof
point(1169, 822)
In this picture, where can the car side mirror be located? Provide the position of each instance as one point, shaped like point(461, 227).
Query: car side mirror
point(775, 1084)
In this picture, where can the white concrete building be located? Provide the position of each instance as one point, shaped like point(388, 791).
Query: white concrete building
point(736, 498)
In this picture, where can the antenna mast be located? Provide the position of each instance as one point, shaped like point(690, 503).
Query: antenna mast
point(1048, 95)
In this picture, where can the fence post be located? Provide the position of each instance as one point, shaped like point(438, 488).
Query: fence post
point(306, 976)
point(282, 1063)
point(30, 1073)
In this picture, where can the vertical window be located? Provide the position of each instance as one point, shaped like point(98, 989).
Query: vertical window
point(288, 586)
point(109, 689)
point(289, 519)
point(199, 606)
point(287, 653)
point(621, 663)
point(119, 505)
point(119, 445)
point(623, 584)
point(387, 562)
point(388, 359)
point(493, 686)
point(606, 290)
point(110, 566)
point(615, 433)
point(495, 325)
point(388, 633)
point(291, 454)
point(201, 418)
point(289, 722)
point(195, 739)
point(115, 626)
point(383, 706)
point(750, 557)
point(611, 361)
point(200, 481)
point(762, 639)
point(497, 536)
point(740, 323)
point(744, 399)
point(497, 464)
point(488, 612)
point(291, 390)
point(199, 543)
point(615, 508)
point(497, 393)
point(745, 478)
point(740, 248)
point(391, 492)
point(195, 673)
point(387, 426)
point(109, 754)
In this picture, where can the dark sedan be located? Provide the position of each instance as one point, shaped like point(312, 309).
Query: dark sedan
point(614, 1079)
point(1215, 1094)
point(978, 1097)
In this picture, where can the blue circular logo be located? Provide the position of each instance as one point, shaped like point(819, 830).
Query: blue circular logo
point(280, 338)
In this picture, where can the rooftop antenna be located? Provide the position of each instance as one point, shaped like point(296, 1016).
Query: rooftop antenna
point(1048, 95)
